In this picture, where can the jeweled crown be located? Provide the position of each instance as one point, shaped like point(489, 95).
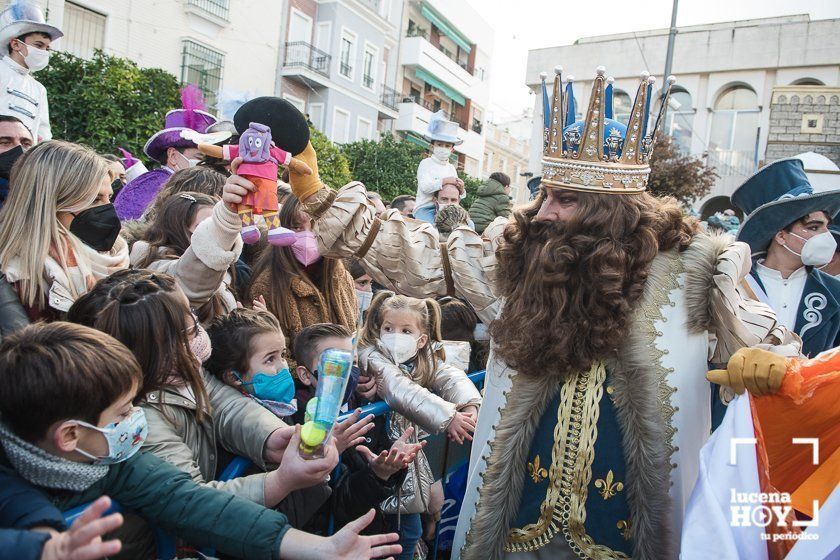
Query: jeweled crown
point(599, 153)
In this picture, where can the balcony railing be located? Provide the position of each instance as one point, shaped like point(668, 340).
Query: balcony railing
point(418, 101)
point(417, 32)
point(218, 8)
point(300, 54)
point(390, 97)
point(421, 32)
point(367, 81)
point(345, 70)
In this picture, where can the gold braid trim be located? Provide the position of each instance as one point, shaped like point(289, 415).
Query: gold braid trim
point(651, 313)
point(564, 508)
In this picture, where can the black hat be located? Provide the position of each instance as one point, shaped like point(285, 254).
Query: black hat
point(289, 130)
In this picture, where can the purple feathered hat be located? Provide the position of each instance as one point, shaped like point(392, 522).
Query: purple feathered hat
point(191, 117)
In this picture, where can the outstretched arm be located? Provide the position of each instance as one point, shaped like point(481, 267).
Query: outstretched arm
point(211, 150)
point(402, 254)
point(745, 337)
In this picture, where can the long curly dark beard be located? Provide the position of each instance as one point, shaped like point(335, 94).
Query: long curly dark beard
point(571, 287)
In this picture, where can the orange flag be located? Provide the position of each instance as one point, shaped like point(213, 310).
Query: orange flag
point(798, 432)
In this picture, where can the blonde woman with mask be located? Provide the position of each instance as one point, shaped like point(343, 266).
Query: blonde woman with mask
point(59, 233)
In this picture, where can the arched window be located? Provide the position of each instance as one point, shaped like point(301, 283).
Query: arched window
point(719, 204)
point(679, 119)
point(622, 106)
point(807, 82)
point(734, 136)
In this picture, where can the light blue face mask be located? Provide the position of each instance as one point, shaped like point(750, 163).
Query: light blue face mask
point(124, 438)
point(278, 387)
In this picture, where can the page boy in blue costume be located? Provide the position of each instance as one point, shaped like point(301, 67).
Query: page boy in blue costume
point(787, 230)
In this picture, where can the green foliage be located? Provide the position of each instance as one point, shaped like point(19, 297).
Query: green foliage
point(107, 101)
point(676, 174)
point(388, 166)
point(332, 165)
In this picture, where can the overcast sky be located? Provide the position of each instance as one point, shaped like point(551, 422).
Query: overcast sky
point(521, 25)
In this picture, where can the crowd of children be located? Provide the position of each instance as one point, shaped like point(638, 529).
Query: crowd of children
point(161, 348)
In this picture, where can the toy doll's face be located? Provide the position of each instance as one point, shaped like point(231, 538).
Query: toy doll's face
point(255, 143)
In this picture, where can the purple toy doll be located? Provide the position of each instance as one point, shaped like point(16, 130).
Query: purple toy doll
point(260, 162)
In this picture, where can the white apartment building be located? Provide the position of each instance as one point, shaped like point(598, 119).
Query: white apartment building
point(506, 150)
point(339, 64)
point(444, 63)
point(726, 73)
point(230, 53)
point(355, 67)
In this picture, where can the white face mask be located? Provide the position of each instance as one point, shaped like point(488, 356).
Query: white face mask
point(403, 347)
point(817, 250)
point(441, 154)
point(364, 299)
point(190, 162)
point(36, 59)
point(481, 332)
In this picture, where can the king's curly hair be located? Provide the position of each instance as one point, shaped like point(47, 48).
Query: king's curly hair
point(570, 287)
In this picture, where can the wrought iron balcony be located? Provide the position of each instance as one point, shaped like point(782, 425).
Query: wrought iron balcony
point(218, 8)
point(390, 97)
point(300, 54)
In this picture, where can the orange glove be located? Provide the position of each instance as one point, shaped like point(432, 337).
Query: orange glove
point(759, 371)
point(305, 185)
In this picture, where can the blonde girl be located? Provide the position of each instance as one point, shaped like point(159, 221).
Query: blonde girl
point(401, 347)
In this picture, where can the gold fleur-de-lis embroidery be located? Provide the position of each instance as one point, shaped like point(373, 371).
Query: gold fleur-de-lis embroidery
point(624, 527)
point(537, 473)
point(608, 488)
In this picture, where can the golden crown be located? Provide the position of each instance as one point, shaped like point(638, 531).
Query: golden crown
point(598, 153)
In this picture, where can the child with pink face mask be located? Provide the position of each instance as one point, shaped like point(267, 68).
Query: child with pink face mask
point(401, 347)
point(299, 285)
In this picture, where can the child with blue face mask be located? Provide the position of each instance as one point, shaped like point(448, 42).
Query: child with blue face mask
point(250, 355)
point(193, 417)
point(91, 381)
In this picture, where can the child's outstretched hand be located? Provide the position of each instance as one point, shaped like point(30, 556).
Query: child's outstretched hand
point(348, 544)
point(366, 386)
point(388, 463)
point(460, 427)
point(295, 472)
point(259, 305)
point(236, 187)
point(83, 541)
point(351, 431)
point(471, 411)
point(277, 443)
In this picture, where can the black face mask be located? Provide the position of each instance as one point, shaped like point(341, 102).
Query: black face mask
point(116, 186)
point(8, 159)
point(97, 227)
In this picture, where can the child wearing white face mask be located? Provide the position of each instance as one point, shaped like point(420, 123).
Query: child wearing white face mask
point(401, 346)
